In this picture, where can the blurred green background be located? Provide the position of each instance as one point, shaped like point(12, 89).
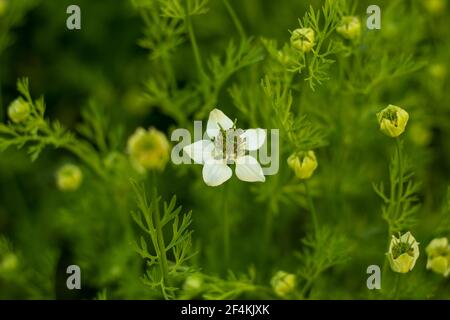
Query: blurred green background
point(104, 64)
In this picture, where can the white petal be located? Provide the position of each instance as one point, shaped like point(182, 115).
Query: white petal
point(216, 118)
point(198, 151)
point(208, 153)
point(254, 138)
point(248, 169)
point(215, 174)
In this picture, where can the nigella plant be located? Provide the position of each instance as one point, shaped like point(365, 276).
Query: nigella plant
point(304, 105)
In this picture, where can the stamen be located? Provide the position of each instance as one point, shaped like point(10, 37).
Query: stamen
point(229, 144)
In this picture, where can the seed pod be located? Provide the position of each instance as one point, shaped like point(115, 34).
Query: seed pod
point(302, 39)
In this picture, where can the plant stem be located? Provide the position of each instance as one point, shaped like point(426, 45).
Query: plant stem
point(169, 70)
point(306, 288)
point(197, 56)
point(400, 177)
point(160, 246)
point(226, 227)
point(396, 284)
point(269, 227)
point(384, 271)
point(1, 91)
point(235, 19)
point(397, 204)
point(312, 209)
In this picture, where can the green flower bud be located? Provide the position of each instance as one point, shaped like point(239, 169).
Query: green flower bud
point(135, 102)
point(393, 120)
point(440, 265)
point(438, 71)
point(420, 134)
point(438, 252)
point(403, 253)
point(285, 58)
point(283, 283)
point(302, 39)
point(193, 282)
point(3, 7)
point(349, 27)
point(435, 7)
point(149, 149)
point(303, 164)
point(19, 110)
point(69, 177)
point(8, 262)
point(437, 247)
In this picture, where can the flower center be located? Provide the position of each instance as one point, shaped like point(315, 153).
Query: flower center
point(228, 145)
point(401, 248)
point(391, 115)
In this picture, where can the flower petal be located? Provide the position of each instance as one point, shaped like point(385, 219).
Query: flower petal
point(199, 151)
point(248, 169)
point(216, 173)
point(254, 138)
point(217, 119)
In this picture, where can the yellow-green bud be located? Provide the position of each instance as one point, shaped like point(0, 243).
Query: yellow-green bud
point(303, 164)
point(3, 7)
point(19, 110)
point(135, 102)
point(392, 120)
point(420, 134)
point(149, 149)
point(438, 71)
point(302, 39)
point(285, 58)
point(8, 262)
point(440, 265)
point(349, 27)
point(437, 247)
point(193, 282)
point(283, 283)
point(438, 252)
point(403, 253)
point(435, 7)
point(69, 177)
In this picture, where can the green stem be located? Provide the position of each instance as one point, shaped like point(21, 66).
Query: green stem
point(84, 156)
point(226, 228)
point(384, 272)
point(169, 70)
point(400, 178)
point(160, 246)
point(397, 204)
point(396, 285)
point(1, 91)
point(235, 19)
point(312, 208)
point(195, 49)
point(269, 227)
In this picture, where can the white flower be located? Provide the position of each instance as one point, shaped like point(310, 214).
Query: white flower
point(227, 145)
